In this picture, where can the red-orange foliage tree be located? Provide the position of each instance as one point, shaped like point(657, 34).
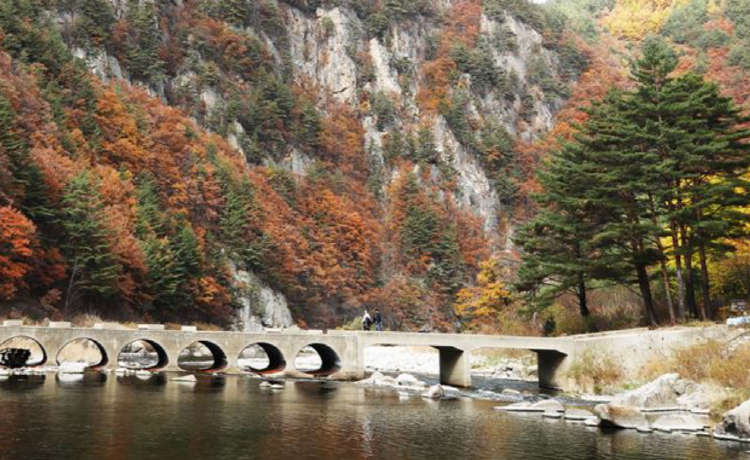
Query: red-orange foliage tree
point(17, 234)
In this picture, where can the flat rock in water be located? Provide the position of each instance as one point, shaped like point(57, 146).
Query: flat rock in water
point(517, 407)
point(190, 378)
point(616, 416)
point(277, 386)
point(552, 414)
point(548, 405)
point(577, 414)
point(387, 381)
point(265, 385)
point(592, 421)
point(675, 422)
point(509, 391)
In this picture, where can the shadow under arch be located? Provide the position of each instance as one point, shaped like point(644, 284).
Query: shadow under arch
point(198, 364)
point(40, 360)
point(99, 347)
point(161, 360)
point(330, 363)
point(275, 359)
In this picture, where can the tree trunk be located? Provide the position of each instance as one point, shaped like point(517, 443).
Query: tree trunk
point(645, 286)
point(582, 302)
point(708, 310)
point(663, 267)
point(665, 279)
point(678, 272)
point(689, 285)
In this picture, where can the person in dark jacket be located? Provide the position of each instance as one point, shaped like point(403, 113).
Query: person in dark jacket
point(377, 319)
point(366, 321)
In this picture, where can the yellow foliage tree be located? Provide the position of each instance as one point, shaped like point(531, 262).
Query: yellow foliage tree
point(483, 302)
point(634, 19)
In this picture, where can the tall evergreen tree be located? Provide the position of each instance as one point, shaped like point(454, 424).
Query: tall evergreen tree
point(557, 254)
point(93, 268)
point(29, 186)
point(667, 159)
point(695, 132)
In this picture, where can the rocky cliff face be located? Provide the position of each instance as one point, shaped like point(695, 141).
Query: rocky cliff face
point(444, 88)
point(260, 306)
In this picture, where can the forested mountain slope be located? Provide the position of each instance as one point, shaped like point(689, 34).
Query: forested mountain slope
point(342, 153)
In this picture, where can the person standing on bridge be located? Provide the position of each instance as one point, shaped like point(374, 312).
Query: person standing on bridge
point(366, 321)
point(378, 320)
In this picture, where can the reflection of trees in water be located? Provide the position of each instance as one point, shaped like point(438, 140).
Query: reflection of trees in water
point(87, 379)
point(128, 418)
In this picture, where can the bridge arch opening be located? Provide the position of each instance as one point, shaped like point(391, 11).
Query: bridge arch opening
point(515, 366)
point(395, 359)
point(202, 356)
point(143, 354)
point(83, 350)
point(261, 358)
point(317, 359)
point(37, 353)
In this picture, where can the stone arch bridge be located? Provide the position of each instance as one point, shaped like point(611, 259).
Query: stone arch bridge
point(342, 352)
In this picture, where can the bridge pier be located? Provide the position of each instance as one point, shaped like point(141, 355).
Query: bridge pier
point(552, 367)
point(455, 367)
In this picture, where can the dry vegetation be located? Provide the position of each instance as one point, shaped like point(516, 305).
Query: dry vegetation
point(711, 363)
point(596, 372)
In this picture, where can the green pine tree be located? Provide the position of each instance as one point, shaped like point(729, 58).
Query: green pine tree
point(93, 268)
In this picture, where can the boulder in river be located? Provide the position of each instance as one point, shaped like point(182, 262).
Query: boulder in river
point(592, 421)
point(407, 380)
point(736, 422)
point(190, 378)
point(387, 381)
point(660, 395)
point(677, 422)
point(617, 416)
point(434, 392)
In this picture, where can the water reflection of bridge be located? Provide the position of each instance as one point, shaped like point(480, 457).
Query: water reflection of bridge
point(342, 352)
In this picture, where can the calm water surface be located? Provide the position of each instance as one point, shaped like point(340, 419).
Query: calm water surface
point(108, 417)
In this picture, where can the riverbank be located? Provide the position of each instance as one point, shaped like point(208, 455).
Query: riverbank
point(702, 390)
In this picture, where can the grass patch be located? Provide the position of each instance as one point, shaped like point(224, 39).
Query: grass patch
point(596, 372)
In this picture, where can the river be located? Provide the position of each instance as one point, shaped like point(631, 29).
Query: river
point(109, 417)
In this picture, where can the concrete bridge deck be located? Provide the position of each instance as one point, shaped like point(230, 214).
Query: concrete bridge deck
point(342, 352)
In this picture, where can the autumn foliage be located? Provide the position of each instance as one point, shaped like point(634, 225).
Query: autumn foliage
point(17, 235)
